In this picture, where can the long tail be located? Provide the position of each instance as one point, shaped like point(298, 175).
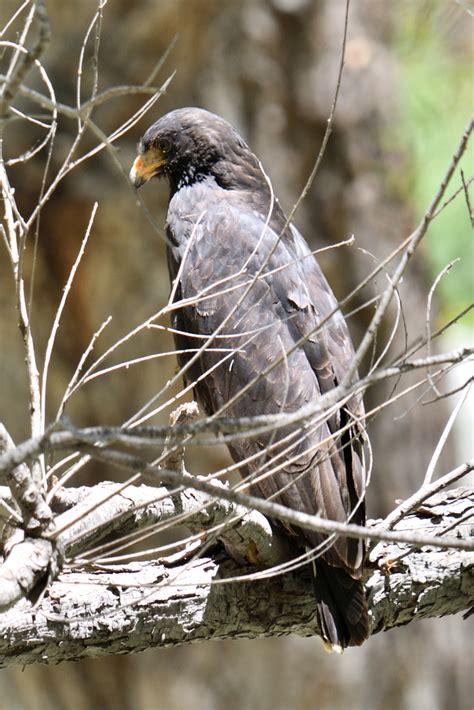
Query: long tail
point(342, 607)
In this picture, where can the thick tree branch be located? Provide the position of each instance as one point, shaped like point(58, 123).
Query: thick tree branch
point(128, 608)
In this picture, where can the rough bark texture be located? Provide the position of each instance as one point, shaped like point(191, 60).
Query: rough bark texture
point(130, 608)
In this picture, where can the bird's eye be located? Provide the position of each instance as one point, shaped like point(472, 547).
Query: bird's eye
point(163, 145)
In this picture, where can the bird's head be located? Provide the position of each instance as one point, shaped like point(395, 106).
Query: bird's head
point(190, 144)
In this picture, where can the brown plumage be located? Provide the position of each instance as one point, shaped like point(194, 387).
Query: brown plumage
point(256, 283)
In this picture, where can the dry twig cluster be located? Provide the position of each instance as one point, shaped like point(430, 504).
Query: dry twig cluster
point(63, 546)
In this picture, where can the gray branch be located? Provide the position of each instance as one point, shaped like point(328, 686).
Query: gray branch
point(36, 513)
point(141, 605)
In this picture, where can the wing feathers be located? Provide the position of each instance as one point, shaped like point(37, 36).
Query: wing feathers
point(271, 296)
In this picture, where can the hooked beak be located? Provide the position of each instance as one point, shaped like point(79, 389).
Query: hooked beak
point(146, 166)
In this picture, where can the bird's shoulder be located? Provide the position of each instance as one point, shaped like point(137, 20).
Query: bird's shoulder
point(225, 234)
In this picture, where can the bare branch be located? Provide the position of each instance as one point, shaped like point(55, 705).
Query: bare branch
point(59, 312)
point(426, 491)
point(444, 436)
point(36, 514)
point(465, 187)
point(330, 120)
point(414, 240)
point(25, 60)
point(143, 605)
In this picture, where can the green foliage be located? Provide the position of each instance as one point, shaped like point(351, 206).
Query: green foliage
point(433, 43)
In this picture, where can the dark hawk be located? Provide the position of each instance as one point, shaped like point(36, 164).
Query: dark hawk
point(279, 342)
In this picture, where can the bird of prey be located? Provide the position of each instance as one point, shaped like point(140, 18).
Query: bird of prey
point(248, 282)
